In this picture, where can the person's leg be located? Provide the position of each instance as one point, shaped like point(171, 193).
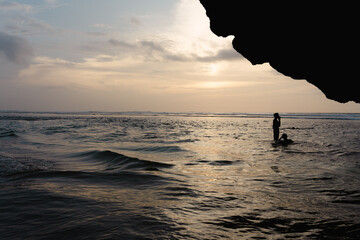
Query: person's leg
point(276, 134)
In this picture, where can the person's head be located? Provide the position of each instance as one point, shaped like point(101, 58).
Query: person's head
point(284, 136)
point(276, 115)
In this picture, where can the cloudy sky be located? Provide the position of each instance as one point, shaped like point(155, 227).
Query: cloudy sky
point(135, 55)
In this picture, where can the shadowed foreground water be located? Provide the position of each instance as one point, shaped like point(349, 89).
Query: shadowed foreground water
point(103, 176)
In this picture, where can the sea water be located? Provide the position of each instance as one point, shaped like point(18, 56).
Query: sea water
point(178, 176)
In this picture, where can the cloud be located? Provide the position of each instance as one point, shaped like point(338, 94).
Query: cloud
point(14, 49)
point(96, 34)
point(102, 26)
point(221, 55)
point(120, 43)
point(149, 50)
point(135, 21)
point(50, 1)
point(30, 26)
point(182, 40)
point(13, 6)
point(151, 45)
point(164, 50)
point(134, 82)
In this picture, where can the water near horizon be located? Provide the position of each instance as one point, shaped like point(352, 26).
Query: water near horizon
point(178, 176)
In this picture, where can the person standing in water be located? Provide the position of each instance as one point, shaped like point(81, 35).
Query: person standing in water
point(276, 126)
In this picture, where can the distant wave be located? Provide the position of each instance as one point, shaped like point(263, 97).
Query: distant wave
point(36, 116)
point(335, 116)
point(7, 133)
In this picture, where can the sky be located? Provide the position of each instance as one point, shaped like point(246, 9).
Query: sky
point(135, 55)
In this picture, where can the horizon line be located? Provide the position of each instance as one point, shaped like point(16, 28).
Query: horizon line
point(170, 112)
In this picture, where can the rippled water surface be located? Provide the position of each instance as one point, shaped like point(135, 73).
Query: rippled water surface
point(116, 176)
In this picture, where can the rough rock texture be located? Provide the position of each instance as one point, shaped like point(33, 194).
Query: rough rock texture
point(304, 40)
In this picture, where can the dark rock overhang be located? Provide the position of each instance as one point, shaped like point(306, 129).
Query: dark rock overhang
point(314, 41)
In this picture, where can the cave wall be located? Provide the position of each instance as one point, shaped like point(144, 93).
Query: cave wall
point(318, 43)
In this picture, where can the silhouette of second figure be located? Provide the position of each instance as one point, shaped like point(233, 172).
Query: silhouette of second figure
point(276, 126)
point(284, 140)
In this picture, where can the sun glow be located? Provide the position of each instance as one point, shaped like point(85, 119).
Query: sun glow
point(213, 68)
point(213, 85)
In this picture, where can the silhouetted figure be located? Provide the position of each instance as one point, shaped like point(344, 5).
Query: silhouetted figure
point(284, 140)
point(276, 125)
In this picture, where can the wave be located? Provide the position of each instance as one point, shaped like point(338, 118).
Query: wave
point(113, 161)
point(7, 133)
point(167, 149)
point(19, 165)
point(124, 178)
point(296, 228)
point(221, 163)
point(63, 129)
point(114, 168)
point(30, 118)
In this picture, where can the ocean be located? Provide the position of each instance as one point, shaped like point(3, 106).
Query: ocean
point(145, 175)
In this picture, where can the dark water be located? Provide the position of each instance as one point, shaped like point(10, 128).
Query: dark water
point(166, 176)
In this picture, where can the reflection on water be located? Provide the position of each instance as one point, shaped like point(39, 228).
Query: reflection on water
point(175, 177)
